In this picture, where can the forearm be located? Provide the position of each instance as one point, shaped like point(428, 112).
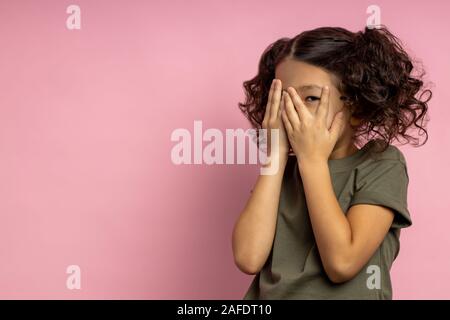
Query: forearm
point(331, 228)
point(254, 230)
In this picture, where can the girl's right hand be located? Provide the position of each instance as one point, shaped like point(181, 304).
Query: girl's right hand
point(272, 119)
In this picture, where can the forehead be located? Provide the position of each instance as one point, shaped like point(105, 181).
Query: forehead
point(293, 73)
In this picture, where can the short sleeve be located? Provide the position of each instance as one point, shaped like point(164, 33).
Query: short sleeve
point(384, 182)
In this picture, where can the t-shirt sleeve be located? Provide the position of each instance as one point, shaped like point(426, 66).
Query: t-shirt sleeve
point(385, 182)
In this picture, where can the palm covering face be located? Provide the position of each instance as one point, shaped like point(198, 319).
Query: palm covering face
point(272, 120)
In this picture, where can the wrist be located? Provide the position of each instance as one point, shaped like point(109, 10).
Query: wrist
point(310, 163)
point(275, 166)
point(280, 158)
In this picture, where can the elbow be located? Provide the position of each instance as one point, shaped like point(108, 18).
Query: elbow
point(248, 269)
point(247, 266)
point(244, 258)
point(340, 271)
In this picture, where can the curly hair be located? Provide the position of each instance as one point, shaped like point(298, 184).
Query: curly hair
point(375, 77)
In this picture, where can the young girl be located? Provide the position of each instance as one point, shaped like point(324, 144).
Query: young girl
point(327, 224)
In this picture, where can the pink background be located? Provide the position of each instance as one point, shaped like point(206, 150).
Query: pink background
point(85, 122)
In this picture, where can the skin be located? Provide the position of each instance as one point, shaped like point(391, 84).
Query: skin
point(309, 121)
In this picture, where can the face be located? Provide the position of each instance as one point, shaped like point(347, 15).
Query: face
point(308, 80)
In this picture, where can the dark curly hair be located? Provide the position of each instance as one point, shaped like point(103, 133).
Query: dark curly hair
point(375, 73)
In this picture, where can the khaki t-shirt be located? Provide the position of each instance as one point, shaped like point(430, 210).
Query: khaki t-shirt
point(294, 269)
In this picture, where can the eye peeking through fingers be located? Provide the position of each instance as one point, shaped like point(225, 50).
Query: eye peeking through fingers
point(312, 99)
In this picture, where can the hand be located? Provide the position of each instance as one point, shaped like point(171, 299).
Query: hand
point(272, 120)
point(307, 131)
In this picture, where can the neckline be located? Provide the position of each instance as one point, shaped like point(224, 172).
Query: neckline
point(342, 163)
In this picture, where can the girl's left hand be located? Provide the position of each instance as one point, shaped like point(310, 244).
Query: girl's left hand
point(307, 131)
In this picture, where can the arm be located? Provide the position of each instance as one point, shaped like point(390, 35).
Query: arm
point(345, 243)
point(254, 231)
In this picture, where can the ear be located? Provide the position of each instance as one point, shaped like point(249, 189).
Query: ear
point(355, 121)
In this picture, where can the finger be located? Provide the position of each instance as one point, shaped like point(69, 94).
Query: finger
point(280, 109)
point(269, 102)
point(290, 111)
point(324, 105)
point(276, 97)
point(300, 107)
point(287, 124)
point(337, 126)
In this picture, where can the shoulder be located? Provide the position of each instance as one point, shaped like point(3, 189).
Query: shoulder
point(392, 153)
point(376, 162)
point(382, 179)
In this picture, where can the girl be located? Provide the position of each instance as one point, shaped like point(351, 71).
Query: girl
point(327, 224)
